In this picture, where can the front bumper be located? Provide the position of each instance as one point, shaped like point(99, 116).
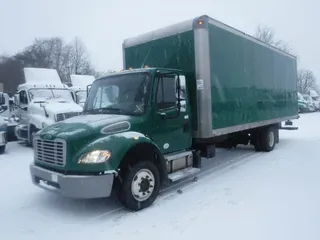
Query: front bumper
point(21, 132)
point(72, 186)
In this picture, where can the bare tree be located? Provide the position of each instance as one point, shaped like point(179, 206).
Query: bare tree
point(267, 35)
point(76, 60)
point(44, 53)
point(10, 74)
point(306, 81)
point(54, 53)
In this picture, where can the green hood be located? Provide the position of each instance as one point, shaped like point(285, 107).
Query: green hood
point(85, 132)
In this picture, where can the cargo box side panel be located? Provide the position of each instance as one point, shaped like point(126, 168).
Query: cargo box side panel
point(175, 51)
point(250, 82)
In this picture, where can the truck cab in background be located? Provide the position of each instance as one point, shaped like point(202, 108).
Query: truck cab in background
point(42, 101)
point(302, 104)
point(315, 98)
point(310, 103)
point(79, 87)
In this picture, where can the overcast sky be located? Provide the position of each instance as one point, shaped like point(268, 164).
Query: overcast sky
point(104, 24)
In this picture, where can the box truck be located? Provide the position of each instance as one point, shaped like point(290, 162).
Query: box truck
point(186, 88)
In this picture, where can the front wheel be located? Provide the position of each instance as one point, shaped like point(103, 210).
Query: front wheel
point(2, 149)
point(32, 132)
point(140, 186)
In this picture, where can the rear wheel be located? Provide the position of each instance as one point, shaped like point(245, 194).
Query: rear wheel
point(140, 186)
point(265, 139)
point(268, 140)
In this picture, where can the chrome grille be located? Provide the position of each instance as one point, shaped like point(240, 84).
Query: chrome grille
point(60, 117)
point(52, 152)
point(63, 116)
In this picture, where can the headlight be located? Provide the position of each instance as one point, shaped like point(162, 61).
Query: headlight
point(97, 156)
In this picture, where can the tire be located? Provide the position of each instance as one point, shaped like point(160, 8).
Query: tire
point(33, 130)
point(2, 149)
point(130, 192)
point(257, 141)
point(257, 147)
point(268, 139)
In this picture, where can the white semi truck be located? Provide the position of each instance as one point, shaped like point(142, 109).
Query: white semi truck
point(41, 101)
point(79, 87)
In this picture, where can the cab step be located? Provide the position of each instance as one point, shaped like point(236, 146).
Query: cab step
point(184, 173)
point(289, 128)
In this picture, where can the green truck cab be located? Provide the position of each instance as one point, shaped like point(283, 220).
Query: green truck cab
point(146, 127)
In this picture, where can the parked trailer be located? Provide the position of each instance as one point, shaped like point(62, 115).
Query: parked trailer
point(207, 84)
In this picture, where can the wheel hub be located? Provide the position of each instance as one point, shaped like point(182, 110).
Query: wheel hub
point(142, 185)
point(271, 139)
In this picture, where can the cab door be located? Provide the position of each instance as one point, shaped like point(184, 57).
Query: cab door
point(23, 107)
point(171, 128)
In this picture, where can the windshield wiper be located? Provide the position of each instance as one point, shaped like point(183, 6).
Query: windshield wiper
point(108, 109)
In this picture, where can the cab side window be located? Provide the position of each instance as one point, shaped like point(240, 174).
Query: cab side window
point(166, 92)
point(23, 98)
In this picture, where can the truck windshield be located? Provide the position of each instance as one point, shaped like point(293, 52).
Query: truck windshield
point(119, 94)
point(50, 93)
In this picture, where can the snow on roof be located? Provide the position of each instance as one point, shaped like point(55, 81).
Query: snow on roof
point(81, 80)
point(41, 75)
point(26, 86)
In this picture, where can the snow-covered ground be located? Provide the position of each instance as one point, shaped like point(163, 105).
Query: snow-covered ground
point(240, 194)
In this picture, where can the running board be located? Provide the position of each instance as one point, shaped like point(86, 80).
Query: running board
point(181, 174)
point(289, 128)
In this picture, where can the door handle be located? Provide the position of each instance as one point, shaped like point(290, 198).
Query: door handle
point(162, 115)
point(185, 127)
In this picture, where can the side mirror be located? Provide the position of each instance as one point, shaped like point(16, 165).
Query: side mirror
point(2, 99)
point(25, 108)
point(88, 89)
point(16, 100)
